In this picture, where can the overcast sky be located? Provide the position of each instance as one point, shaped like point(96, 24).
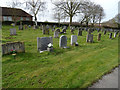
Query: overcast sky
point(110, 7)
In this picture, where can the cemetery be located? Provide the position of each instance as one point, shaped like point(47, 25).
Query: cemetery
point(52, 59)
point(63, 44)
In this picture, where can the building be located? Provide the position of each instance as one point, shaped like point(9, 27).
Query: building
point(15, 14)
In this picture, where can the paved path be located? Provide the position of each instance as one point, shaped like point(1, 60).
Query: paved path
point(108, 81)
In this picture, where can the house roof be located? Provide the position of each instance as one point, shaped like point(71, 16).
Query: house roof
point(7, 11)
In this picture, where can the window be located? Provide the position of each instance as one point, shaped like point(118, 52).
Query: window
point(27, 19)
point(21, 18)
point(4, 18)
point(9, 18)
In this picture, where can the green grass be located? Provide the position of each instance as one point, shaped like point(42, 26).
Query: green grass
point(76, 67)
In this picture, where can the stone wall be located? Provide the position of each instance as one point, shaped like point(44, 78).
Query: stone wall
point(18, 46)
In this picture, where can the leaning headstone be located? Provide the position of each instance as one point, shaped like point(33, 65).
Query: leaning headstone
point(42, 43)
point(73, 39)
point(56, 34)
point(63, 42)
point(89, 38)
point(115, 34)
point(110, 36)
point(99, 36)
point(105, 32)
point(13, 31)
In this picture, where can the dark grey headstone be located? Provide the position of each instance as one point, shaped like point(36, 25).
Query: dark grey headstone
point(99, 36)
point(110, 36)
point(42, 43)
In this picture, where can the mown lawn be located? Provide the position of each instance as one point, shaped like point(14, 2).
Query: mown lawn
point(75, 67)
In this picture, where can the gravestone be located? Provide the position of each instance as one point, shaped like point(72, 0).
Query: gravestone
point(115, 34)
point(89, 31)
point(13, 31)
point(56, 34)
point(64, 31)
point(89, 38)
point(63, 42)
point(43, 29)
point(99, 36)
point(105, 32)
point(72, 30)
point(42, 43)
point(58, 30)
point(25, 26)
point(20, 26)
point(110, 36)
point(73, 39)
point(79, 32)
point(29, 26)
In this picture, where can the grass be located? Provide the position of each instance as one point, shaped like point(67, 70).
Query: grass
point(76, 67)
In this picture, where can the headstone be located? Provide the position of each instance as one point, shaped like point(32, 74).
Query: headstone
point(89, 38)
point(105, 32)
point(20, 26)
point(58, 30)
point(79, 32)
point(26, 26)
point(29, 26)
point(89, 31)
point(42, 43)
point(63, 42)
point(56, 34)
point(64, 31)
point(99, 36)
point(110, 36)
point(43, 29)
point(115, 34)
point(73, 39)
point(72, 30)
point(13, 31)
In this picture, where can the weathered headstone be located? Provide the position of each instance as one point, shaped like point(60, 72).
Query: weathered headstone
point(73, 39)
point(42, 43)
point(99, 36)
point(63, 42)
point(13, 31)
point(56, 34)
point(110, 36)
point(64, 31)
point(89, 38)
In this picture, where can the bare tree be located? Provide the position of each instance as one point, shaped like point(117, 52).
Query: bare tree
point(91, 13)
point(35, 6)
point(70, 7)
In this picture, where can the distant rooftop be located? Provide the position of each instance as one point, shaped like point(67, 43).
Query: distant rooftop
point(7, 11)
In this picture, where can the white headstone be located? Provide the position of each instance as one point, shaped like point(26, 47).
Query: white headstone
point(73, 39)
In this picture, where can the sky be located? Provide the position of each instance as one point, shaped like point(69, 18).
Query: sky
point(110, 9)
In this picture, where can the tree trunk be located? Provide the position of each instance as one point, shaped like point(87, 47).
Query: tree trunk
point(70, 20)
point(35, 20)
